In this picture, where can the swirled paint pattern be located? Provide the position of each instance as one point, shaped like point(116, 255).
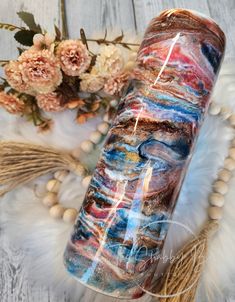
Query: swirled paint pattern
point(118, 235)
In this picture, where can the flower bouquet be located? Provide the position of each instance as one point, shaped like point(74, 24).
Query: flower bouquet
point(54, 73)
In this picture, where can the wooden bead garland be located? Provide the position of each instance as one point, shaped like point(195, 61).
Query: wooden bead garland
point(220, 186)
point(50, 200)
point(216, 198)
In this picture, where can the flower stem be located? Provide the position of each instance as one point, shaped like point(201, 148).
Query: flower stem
point(65, 33)
point(104, 41)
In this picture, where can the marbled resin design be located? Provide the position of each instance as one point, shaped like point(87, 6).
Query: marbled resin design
point(121, 227)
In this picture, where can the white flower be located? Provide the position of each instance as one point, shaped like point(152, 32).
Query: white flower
point(91, 82)
point(109, 61)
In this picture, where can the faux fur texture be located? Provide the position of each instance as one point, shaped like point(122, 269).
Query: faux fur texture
point(28, 224)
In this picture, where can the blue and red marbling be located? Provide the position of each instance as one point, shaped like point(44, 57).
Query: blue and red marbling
point(121, 227)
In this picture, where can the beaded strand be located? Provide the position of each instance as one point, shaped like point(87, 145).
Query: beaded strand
point(220, 186)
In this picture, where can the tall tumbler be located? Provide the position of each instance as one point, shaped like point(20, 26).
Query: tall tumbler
point(121, 227)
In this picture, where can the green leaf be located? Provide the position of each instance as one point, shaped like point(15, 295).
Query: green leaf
point(20, 50)
point(10, 27)
point(126, 46)
point(119, 38)
point(57, 33)
point(28, 19)
point(4, 84)
point(25, 37)
point(3, 62)
point(83, 37)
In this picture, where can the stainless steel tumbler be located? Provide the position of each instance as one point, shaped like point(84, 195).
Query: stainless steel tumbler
point(117, 236)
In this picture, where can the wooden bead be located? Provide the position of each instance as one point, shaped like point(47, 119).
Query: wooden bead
point(225, 112)
point(76, 153)
point(106, 118)
point(215, 213)
point(95, 137)
point(113, 103)
point(87, 146)
point(60, 175)
point(232, 153)
point(86, 181)
point(53, 186)
point(57, 211)
point(216, 199)
point(79, 170)
point(103, 128)
point(220, 187)
point(214, 109)
point(50, 199)
point(70, 215)
point(224, 175)
point(232, 120)
point(229, 164)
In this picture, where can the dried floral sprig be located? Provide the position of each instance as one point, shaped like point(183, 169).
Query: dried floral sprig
point(10, 27)
point(116, 41)
point(54, 73)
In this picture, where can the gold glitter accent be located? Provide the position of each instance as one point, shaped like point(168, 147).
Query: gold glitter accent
point(132, 156)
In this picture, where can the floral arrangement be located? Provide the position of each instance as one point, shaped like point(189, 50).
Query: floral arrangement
point(54, 73)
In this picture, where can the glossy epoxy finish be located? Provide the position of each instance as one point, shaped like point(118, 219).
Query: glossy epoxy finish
point(120, 230)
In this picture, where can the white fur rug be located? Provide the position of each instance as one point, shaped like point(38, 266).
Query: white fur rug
point(28, 224)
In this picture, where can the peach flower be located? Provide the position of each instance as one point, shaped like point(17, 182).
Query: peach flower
point(14, 77)
point(11, 103)
point(40, 70)
point(91, 82)
point(109, 61)
point(51, 102)
point(115, 84)
point(74, 57)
